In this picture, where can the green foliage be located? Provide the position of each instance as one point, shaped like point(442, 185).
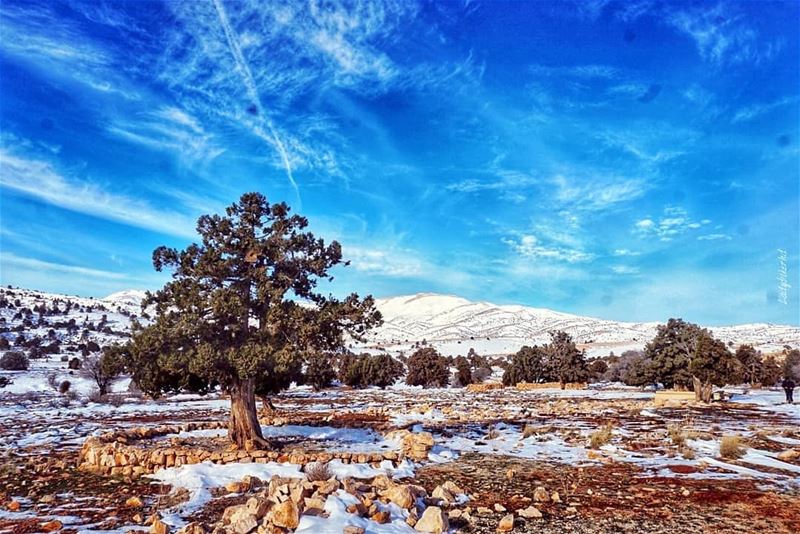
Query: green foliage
point(14, 360)
point(427, 368)
point(370, 370)
point(751, 362)
point(104, 368)
point(770, 371)
point(566, 362)
point(230, 313)
point(713, 363)
point(791, 363)
point(635, 369)
point(597, 370)
point(242, 310)
point(529, 364)
point(463, 371)
point(319, 371)
point(670, 352)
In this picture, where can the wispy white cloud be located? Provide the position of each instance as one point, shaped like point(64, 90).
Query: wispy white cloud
point(714, 237)
point(528, 245)
point(624, 269)
point(39, 179)
point(674, 221)
point(11, 259)
point(385, 262)
point(754, 111)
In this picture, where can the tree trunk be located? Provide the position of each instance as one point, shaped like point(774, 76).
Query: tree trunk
point(702, 390)
point(244, 426)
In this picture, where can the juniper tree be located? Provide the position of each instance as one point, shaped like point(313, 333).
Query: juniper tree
point(751, 362)
point(684, 354)
point(529, 364)
point(565, 362)
point(427, 368)
point(232, 316)
point(463, 371)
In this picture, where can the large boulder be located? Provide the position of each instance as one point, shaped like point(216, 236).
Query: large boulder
point(433, 521)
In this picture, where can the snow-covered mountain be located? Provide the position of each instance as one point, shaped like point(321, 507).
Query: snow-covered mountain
point(454, 324)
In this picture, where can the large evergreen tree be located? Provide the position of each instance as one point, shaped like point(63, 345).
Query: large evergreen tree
point(529, 364)
point(751, 362)
point(242, 310)
point(566, 362)
point(684, 354)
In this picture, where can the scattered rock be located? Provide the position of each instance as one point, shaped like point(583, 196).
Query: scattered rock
point(134, 502)
point(286, 515)
point(499, 507)
point(482, 510)
point(381, 517)
point(443, 495)
point(13, 506)
point(506, 524)
point(531, 512)
point(789, 455)
point(158, 526)
point(52, 526)
point(540, 495)
point(243, 522)
point(555, 497)
point(433, 520)
point(401, 495)
point(352, 529)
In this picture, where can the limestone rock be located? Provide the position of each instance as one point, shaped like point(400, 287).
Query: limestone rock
point(52, 526)
point(352, 529)
point(531, 512)
point(243, 522)
point(540, 495)
point(789, 455)
point(443, 495)
point(499, 507)
point(134, 502)
point(453, 488)
point(433, 521)
point(158, 526)
point(286, 515)
point(401, 495)
point(506, 524)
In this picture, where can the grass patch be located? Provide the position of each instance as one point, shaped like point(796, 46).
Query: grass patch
point(318, 471)
point(731, 447)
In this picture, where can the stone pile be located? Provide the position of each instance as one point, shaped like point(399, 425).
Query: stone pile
point(113, 454)
point(415, 445)
point(527, 386)
point(283, 501)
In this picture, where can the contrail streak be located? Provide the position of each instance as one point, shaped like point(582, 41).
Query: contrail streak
point(271, 135)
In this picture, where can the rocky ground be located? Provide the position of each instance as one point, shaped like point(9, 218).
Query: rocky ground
point(533, 461)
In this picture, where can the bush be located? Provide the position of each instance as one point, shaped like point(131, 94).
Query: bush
point(75, 363)
point(600, 436)
point(319, 371)
point(529, 364)
point(14, 361)
point(463, 376)
point(370, 370)
point(731, 447)
point(427, 368)
point(318, 471)
point(63, 388)
point(5, 381)
point(481, 374)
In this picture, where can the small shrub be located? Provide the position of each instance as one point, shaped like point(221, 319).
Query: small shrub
point(5, 381)
point(600, 436)
point(677, 435)
point(493, 433)
point(96, 396)
point(14, 361)
point(317, 471)
point(63, 388)
point(687, 452)
point(64, 358)
point(731, 447)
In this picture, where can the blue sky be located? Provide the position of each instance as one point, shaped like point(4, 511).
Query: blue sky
point(629, 160)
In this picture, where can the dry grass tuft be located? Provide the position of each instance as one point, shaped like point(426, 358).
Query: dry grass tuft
point(600, 436)
point(317, 471)
point(731, 447)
